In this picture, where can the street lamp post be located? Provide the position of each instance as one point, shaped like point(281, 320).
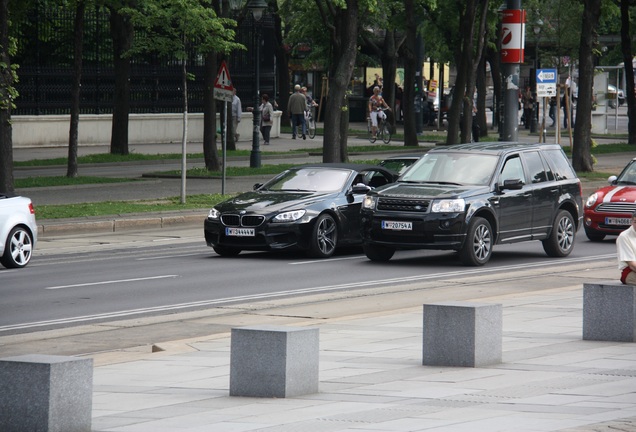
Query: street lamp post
point(258, 8)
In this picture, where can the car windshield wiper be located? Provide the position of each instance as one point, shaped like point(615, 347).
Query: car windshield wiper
point(625, 182)
point(444, 183)
point(296, 190)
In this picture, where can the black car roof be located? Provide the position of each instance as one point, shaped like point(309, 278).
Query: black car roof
point(495, 147)
point(342, 165)
point(346, 165)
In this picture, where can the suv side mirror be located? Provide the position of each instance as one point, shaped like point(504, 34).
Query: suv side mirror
point(256, 186)
point(512, 184)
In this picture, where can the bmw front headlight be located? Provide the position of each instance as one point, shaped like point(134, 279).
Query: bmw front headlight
point(214, 214)
point(290, 216)
point(368, 203)
point(448, 206)
point(591, 200)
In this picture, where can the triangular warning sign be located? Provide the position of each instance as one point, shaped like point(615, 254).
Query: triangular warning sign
point(223, 80)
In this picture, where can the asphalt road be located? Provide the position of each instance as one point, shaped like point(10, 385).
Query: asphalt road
point(80, 280)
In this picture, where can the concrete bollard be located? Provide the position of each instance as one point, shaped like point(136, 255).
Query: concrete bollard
point(274, 361)
point(46, 393)
point(609, 312)
point(462, 334)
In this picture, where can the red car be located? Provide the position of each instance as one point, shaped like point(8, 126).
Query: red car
point(608, 211)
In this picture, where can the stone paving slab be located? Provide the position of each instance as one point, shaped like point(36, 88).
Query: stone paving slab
point(371, 379)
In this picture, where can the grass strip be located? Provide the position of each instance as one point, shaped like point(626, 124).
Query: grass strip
point(67, 181)
point(114, 208)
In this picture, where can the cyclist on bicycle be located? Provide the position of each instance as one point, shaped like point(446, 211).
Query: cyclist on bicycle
point(310, 101)
point(376, 103)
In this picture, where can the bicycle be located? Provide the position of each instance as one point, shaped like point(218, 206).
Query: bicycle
point(383, 131)
point(311, 122)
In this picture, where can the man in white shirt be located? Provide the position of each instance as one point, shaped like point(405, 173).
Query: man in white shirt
point(236, 115)
point(626, 250)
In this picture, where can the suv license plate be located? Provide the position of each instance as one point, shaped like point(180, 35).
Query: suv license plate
point(617, 221)
point(399, 226)
point(240, 232)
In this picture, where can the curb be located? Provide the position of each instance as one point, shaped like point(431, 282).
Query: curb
point(52, 227)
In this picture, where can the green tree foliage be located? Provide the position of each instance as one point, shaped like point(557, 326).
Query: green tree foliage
point(181, 28)
point(8, 94)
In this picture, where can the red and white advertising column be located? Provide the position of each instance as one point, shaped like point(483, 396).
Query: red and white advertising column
point(513, 22)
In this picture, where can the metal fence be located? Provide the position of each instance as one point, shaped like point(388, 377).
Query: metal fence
point(45, 57)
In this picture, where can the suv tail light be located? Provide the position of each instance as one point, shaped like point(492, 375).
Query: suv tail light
point(31, 209)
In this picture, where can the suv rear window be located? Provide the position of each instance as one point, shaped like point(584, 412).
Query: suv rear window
point(560, 165)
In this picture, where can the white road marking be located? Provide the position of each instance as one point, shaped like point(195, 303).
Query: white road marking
point(111, 282)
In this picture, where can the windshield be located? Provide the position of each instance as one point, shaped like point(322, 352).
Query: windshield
point(398, 165)
point(309, 180)
point(628, 176)
point(453, 168)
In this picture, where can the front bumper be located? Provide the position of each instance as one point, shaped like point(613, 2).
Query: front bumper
point(441, 231)
point(267, 236)
point(597, 222)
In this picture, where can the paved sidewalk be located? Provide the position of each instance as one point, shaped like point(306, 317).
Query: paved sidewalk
point(371, 376)
point(372, 379)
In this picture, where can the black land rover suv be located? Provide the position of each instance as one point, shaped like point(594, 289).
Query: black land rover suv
point(469, 197)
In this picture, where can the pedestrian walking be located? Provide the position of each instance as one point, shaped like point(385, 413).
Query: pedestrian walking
point(528, 105)
point(566, 103)
point(267, 113)
point(237, 112)
point(552, 112)
point(296, 109)
point(626, 252)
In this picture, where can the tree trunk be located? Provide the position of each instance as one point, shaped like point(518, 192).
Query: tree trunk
point(410, 67)
point(210, 154)
point(184, 138)
point(6, 76)
point(481, 97)
point(122, 33)
point(344, 129)
point(389, 57)
point(78, 42)
point(582, 142)
point(279, 101)
point(344, 41)
point(626, 47)
point(495, 73)
point(464, 61)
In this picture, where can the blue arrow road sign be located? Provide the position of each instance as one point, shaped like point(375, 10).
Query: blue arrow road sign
point(547, 76)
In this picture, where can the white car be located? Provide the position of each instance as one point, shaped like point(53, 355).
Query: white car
point(18, 230)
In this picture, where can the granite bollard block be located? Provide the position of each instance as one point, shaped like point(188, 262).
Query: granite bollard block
point(609, 312)
point(46, 393)
point(274, 361)
point(462, 334)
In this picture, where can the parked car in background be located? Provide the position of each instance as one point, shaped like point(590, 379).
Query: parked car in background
point(18, 230)
point(314, 208)
point(399, 163)
point(613, 96)
point(470, 197)
point(608, 211)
